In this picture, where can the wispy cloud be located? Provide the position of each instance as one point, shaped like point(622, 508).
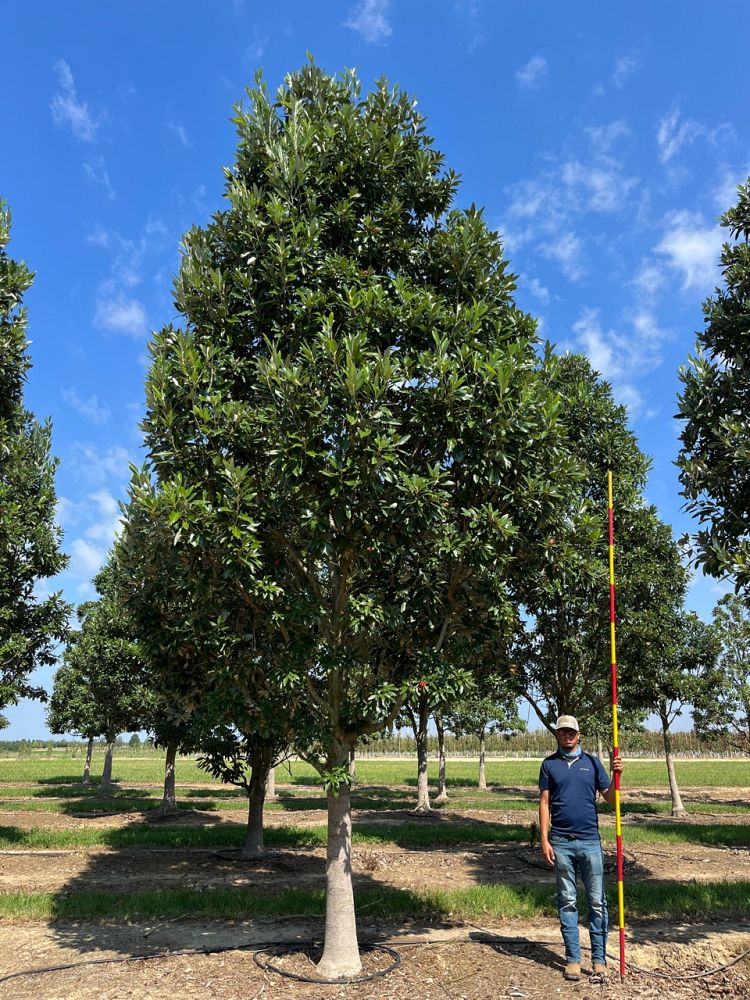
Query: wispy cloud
point(370, 19)
point(625, 67)
point(97, 172)
point(121, 314)
point(673, 132)
point(99, 466)
point(68, 111)
point(692, 249)
point(91, 408)
point(181, 132)
point(256, 48)
point(534, 74)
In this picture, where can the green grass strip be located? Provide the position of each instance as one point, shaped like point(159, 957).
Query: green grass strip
point(643, 900)
point(426, 834)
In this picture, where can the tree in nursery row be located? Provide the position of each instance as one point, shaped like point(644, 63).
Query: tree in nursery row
point(31, 625)
point(352, 447)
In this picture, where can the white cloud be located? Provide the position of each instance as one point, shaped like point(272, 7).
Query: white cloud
point(602, 188)
point(109, 518)
point(674, 132)
point(96, 171)
point(256, 48)
point(98, 466)
point(725, 193)
point(181, 132)
point(91, 408)
point(121, 314)
point(370, 19)
point(567, 249)
point(98, 237)
point(86, 559)
point(603, 137)
point(624, 68)
point(534, 74)
point(538, 290)
point(649, 279)
point(68, 111)
point(692, 248)
point(621, 356)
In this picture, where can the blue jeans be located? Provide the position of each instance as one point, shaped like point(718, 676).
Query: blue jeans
point(584, 858)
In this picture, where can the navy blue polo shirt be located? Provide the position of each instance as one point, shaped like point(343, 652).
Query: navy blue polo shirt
point(572, 790)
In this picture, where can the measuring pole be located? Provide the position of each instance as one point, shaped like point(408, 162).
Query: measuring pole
point(615, 735)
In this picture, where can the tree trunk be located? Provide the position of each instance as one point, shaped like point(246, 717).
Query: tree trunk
point(256, 793)
point(87, 765)
point(352, 767)
point(677, 807)
point(442, 795)
point(423, 788)
point(105, 787)
point(169, 799)
point(482, 772)
point(271, 784)
point(341, 950)
point(600, 749)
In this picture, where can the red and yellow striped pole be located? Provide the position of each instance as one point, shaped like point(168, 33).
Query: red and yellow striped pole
point(615, 735)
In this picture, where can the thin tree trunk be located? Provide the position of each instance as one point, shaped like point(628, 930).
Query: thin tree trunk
point(271, 784)
point(600, 749)
point(105, 787)
point(423, 788)
point(169, 799)
point(677, 807)
point(442, 795)
point(87, 765)
point(341, 950)
point(482, 771)
point(256, 793)
point(352, 767)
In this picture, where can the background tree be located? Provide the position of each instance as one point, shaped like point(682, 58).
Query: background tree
point(71, 710)
point(714, 460)
point(562, 644)
point(30, 625)
point(491, 706)
point(103, 664)
point(722, 709)
point(351, 435)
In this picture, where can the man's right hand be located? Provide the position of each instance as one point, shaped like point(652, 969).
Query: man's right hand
point(548, 852)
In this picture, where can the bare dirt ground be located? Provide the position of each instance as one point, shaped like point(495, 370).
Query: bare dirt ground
point(522, 960)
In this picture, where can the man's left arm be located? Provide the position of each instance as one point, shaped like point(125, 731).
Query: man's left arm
point(609, 795)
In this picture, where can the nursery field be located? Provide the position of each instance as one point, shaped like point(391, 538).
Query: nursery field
point(460, 894)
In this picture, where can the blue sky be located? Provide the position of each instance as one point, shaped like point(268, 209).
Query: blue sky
point(603, 141)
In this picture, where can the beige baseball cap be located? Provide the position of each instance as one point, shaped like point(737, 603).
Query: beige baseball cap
point(567, 722)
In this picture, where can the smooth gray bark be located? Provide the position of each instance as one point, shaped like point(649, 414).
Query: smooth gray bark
point(423, 788)
point(341, 950)
point(442, 795)
point(271, 784)
point(253, 846)
point(169, 798)
point(105, 786)
point(352, 767)
point(678, 808)
point(87, 764)
point(482, 770)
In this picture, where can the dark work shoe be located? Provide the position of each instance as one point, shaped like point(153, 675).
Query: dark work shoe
point(572, 972)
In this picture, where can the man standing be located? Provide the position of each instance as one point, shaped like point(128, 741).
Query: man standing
point(569, 829)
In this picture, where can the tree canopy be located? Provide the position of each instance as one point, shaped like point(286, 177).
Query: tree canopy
point(351, 445)
point(30, 624)
point(714, 459)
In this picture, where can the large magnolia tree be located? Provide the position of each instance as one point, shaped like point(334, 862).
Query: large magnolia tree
point(350, 443)
point(30, 624)
point(715, 404)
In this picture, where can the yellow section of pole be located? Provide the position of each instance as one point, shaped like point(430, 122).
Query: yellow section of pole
point(615, 731)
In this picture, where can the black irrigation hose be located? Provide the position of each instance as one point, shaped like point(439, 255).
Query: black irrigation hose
point(269, 967)
point(259, 947)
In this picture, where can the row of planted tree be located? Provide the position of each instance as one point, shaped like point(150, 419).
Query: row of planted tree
point(371, 495)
